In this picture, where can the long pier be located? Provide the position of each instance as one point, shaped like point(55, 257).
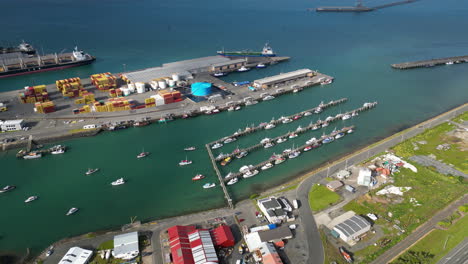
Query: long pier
point(345, 130)
point(359, 7)
point(318, 124)
point(431, 63)
point(220, 177)
point(261, 126)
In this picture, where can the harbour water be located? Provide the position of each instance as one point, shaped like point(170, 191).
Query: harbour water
point(357, 49)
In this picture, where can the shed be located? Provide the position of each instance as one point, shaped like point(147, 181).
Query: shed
point(269, 82)
point(334, 185)
point(273, 235)
point(364, 177)
point(222, 236)
point(76, 255)
point(343, 174)
point(126, 246)
point(352, 228)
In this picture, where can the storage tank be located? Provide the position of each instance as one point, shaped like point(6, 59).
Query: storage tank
point(162, 84)
point(175, 77)
point(172, 83)
point(140, 87)
point(201, 88)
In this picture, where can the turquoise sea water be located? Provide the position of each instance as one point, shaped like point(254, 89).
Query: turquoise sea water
point(356, 49)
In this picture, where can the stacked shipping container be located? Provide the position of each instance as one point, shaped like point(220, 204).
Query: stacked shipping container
point(150, 102)
point(44, 107)
point(104, 81)
point(33, 94)
point(87, 98)
point(71, 87)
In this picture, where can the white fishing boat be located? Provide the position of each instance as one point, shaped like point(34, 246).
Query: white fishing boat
point(249, 173)
point(72, 211)
point(91, 171)
point(286, 120)
point(293, 135)
point(268, 145)
point(229, 140)
point(216, 146)
point(294, 154)
point(339, 135)
point(31, 198)
point(232, 181)
point(268, 97)
point(270, 126)
point(281, 140)
point(265, 140)
point(118, 182)
point(267, 166)
point(7, 188)
point(346, 117)
point(243, 69)
point(208, 185)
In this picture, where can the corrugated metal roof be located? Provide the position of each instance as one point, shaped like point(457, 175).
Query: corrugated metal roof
point(126, 243)
point(202, 247)
point(76, 255)
point(353, 225)
point(229, 62)
point(283, 76)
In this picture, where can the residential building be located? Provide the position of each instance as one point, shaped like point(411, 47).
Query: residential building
point(126, 246)
point(76, 255)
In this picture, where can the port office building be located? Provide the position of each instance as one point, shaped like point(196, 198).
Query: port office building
point(282, 79)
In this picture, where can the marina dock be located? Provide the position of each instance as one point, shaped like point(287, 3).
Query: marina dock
point(431, 63)
point(220, 177)
point(298, 132)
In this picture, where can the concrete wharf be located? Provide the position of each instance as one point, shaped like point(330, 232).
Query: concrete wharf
point(319, 124)
point(220, 178)
point(359, 7)
point(250, 130)
point(345, 130)
point(431, 63)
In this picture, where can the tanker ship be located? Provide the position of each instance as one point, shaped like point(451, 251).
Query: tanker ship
point(266, 52)
point(25, 61)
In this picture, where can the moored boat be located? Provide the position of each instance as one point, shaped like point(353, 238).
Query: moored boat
point(229, 140)
point(216, 146)
point(310, 141)
point(242, 154)
point(226, 161)
point(286, 120)
point(232, 181)
point(293, 135)
point(268, 145)
point(326, 81)
point(279, 160)
point(294, 154)
point(198, 177)
point(267, 51)
point(265, 140)
point(58, 149)
point(32, 155)
point(30, 199)
point(261, 66)
point(270, 126)
point(142, 155)
point(219, 74)
point(190, 149)
point(307, 113)
point(268, 97)
point(118, 182)
point(72, 211)
point(339, 135)
point(281, 140)
point(324, 124)
point(267, 166)
point(346, 117)
point(328, 140)
point(250, 173)
point(185, 162)
point(318, 110)
point(7, 188)
point(243, 69)
point(208, 185)
point(91, 171)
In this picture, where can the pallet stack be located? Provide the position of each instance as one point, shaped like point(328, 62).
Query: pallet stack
point(44, 107)
point(70, 88)
point(104, 81)
point(34, 94)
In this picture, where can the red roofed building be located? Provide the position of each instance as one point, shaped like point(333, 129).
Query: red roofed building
point(180, 244)
point(222, 236)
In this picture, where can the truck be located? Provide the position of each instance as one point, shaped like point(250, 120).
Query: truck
point(350, 188)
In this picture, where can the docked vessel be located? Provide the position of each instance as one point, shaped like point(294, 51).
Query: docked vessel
point(270, 126)
point(58, 149)
point(281, 140)
point(229, 140)
point(294, 154)
point(242, 154)
point(267, 51)
point(286, 120)
point(23, 47)
point(72, 211)
point(118, 182)
point(310, 141)
point(91, 171)
point(141, 123)
point(307, 113)
point(18, 63)
point(307, 148)
point(243, 69)
point(346, 117)
point(30, 199)
point(249, 173)
point(328, 140)
point(190, 149)
point(233, 181)
point(216, 146)
point(219, 74)
point(32, 155)
point(326, 81)
point(226, 161)
point(198, 177)
point(261, 66)
point(293, 135)
point(265, 140)
point(7, 188)
point(268, 97)
point(279, 160)
point(339, 135)
point(268, 145)
point(142, 155)
point(267, 166)
point(208, 185)
point(185, 162)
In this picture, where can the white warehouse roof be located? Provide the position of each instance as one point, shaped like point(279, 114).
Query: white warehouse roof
point(76, 255)
point(353, 226)
point(126, 244)
point(283, 76)
point(13, 122)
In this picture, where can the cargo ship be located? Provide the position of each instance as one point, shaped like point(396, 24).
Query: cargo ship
point(266, 52)
point(20, 63)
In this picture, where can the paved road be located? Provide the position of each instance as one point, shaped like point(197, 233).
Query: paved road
point(458, 255)
point(421, 231)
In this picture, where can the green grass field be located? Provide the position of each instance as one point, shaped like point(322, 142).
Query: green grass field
point(320, 197)
point(106, 245)
point(440, 242)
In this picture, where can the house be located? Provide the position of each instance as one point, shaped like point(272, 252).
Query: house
point(334, 185)
point(268, 253)
point(11, 125)
point(350, 229)
point(76, 255)
point(255, 239)
point(364, 177)
point(222, 236)
point(126, 246)
point(272, 210)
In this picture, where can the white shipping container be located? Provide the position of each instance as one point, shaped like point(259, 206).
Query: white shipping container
point(162, 84)
point(175, 77)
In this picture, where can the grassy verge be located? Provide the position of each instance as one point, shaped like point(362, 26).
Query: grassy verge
point(461, 118)
point(109, 244)
point(81, 130)
point(331, 252)
point(440, 242)
point(320, 197)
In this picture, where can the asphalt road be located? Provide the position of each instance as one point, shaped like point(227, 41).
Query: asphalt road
point(458, 255)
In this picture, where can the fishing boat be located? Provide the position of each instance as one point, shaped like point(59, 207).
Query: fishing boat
point(242, 154)
point(339, 135)
point(281, 140)
point(268, 145)
point(294, 154)
point(185, 162)
point(345, 255)
point(118, 182)
point(30, 199)
point(267, 51)
point(229, 140)
point(232, 181)
point(268, 97)
point(293, 135)
point(249, 173)
point(318, 110)
point(346, 117)
point(208, 185)
point(32, 155)
point(216, 146)
point(265, 140)
point(58, 149)
point(226, 161)
point(7, 188)
point(307, 113)
point(198, 177)
point(72, 211)
point(190, 149)
point(267, 166)
point(279, 160)
point(328, 140)
point(91, 171)
point(243, 69)
point(286, 120)
point(270, 126)
point(142, 155)
point(260, 66)
point(219, 74)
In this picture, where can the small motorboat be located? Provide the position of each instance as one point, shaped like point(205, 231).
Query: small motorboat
point(32, 155)
point(324, 124)
point(229, 140)
point(268, 97)
point(142, 155)
point(267, 166)
point(316, 145)
point(293, 135)
point(245, 168)
point(58, 149)
point(91, 171)
point(318, 110)
point(231, 108)
point(287, 151)
point(449, 63)
point(296, 117)
point(316, 127)
point(286, 120)
point(346, 117)
point(226, 161)
point(281, 140)
point(216, 146)
point(220, 156)
point(7, 188)
point(294, 154)
point(72, 211)
point(326, 81)
point(185, 162)
point(265, 140)
point(310, 141)
point(237, 108)
point(232, 181)
point(242, 154)
point(270, 126)
point(243, 69)
point(198, 177)
point(31, 198)
point(350, 131)
point(249, 173)
point(261, 66)
point(118, 182)
point(329, 118)
point(268, 145)
point(190, 149)
point(219, 74)
point(307, 113)
point(208, 185)
point(279, 160)
point(307, 148)
point(299, 128)
point(339, 135)
point(328, 140)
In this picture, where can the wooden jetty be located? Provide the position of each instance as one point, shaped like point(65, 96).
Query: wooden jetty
point(318, 124)
point(250, 130)
point(430, 63)
point(318, 142)
point(220, 178)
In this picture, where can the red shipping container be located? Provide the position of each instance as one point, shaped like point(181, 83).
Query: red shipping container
point(168, 100)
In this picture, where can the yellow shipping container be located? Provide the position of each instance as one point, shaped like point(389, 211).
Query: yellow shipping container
point(80, 101)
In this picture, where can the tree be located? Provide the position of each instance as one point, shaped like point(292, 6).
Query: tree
point(414, 257)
